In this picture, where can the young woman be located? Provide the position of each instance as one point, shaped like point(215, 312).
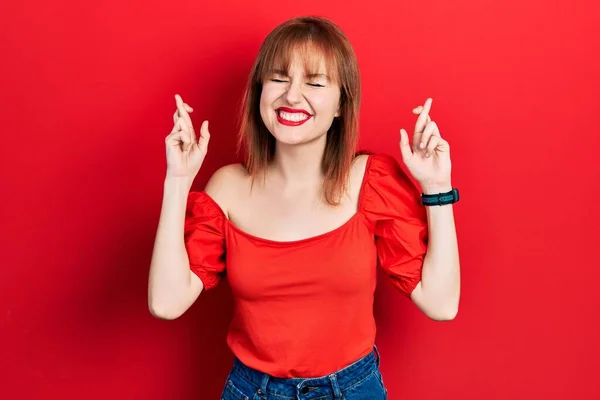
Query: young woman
point(301, 227)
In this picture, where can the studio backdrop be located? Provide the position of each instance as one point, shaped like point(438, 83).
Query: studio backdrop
point(86, 101)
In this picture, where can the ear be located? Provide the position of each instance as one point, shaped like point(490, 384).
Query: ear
point(337, 112)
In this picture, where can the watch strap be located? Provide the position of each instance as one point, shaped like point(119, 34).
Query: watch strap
point(440, 199)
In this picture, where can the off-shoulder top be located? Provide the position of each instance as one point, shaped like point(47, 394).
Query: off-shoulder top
point(304, 308)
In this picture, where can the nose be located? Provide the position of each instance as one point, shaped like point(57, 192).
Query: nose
point(294, 93)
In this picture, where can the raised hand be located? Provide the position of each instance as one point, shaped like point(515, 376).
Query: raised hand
point(185, 154)
point(428, 159)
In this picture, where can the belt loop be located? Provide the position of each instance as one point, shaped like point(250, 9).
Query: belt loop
point(377, 354)
point(263, 386)
point(337, 393)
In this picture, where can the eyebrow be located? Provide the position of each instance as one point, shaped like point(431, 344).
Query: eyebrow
point(309, 76)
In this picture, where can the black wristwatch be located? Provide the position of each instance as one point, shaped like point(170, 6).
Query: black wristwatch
point(440, 199)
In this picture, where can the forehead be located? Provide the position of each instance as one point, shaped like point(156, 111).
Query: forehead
point(310, 57)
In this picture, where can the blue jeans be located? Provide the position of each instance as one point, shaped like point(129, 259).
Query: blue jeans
point(360, 380)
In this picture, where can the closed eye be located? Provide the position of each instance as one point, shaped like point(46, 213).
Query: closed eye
point(310, 84)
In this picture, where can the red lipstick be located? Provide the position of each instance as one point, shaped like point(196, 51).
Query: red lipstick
point(291, 110)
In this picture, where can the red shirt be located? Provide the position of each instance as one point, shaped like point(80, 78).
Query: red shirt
point(304, 308)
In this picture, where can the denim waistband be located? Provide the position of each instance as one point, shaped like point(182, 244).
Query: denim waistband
point(293, 388)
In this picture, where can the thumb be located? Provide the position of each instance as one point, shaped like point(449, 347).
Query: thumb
point(204, 135)
point(405, 149)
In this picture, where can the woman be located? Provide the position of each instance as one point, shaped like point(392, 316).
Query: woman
point(301, 227)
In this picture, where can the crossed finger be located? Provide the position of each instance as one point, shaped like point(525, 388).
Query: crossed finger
point(423, 116)
point(419, 141)
point(430, 138)
point(418, 111)
point(184, 122)
point(176, 114)
point(182, 111)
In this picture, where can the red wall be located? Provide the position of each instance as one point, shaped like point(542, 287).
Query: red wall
point(86, 101)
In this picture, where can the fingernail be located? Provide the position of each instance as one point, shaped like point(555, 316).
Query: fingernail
point(422, 145)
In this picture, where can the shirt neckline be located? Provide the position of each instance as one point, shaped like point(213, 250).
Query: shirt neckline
point(323, 235)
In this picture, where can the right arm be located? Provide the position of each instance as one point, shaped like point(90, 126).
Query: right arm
point(172, 286)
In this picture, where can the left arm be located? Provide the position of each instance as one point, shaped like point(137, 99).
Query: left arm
point(438, 293)
point(428, 161)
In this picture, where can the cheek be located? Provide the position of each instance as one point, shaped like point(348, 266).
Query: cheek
point(264, 105)
point(267, 97)
point(327, 104)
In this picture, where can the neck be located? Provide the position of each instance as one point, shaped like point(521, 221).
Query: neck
point(297, 166)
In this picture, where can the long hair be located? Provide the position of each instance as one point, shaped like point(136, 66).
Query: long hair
point(312, 38)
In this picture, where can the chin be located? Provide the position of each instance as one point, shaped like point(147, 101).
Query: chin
point(291, 136)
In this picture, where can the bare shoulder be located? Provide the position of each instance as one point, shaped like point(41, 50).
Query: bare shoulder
point(360, 163)
point(225, 185)
point(359, 166)
point(357, 173)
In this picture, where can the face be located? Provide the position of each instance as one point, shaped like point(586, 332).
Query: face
point(297, 108)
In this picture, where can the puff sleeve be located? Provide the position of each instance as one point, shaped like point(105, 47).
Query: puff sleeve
point(394, 213)
point(204, 238)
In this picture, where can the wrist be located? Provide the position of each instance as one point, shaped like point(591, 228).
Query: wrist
point(178, 184)
point(432, 188)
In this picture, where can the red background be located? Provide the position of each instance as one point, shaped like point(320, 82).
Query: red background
point(86, 101)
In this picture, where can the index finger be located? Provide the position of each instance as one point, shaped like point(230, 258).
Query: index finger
point(182, 111)
point(422, 120)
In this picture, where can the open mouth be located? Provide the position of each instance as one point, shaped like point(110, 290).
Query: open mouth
point(292, 117)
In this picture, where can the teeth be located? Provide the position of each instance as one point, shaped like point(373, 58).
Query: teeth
point(293, 117)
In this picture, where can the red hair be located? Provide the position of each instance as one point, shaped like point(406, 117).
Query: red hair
point(312, 37)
